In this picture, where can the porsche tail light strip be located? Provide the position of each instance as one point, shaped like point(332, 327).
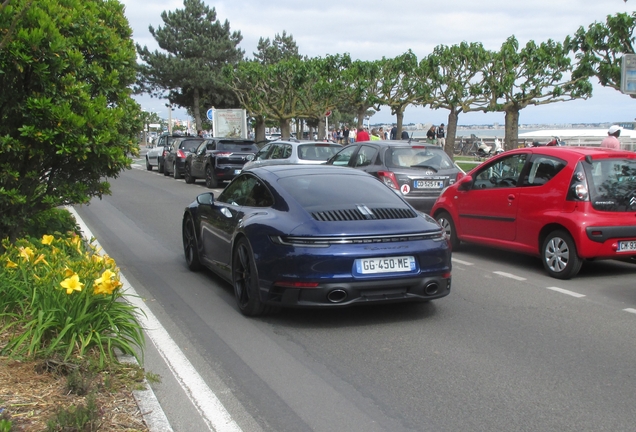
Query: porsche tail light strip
point(327, 241)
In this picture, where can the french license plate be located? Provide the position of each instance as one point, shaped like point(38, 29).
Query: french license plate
point(237, 171)
point(627, 246)
point(429, 184)
point(385, 265)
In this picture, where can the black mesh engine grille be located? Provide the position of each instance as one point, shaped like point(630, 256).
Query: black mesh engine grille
point(356, 214)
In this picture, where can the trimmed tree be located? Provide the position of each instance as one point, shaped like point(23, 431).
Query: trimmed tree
point(401, 85)
point(456, 83)
point(535, 75)
point(600, 48)
point(67, 119)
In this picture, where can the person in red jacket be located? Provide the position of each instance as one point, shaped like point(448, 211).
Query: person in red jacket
point(362, 135)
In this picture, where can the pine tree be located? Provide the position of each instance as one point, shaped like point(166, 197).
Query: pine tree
point(196, 46)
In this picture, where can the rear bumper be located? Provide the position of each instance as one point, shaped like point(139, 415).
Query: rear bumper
point(227, 172)
point(415, 289)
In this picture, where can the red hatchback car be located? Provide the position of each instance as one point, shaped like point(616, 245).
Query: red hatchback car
point(564, 204)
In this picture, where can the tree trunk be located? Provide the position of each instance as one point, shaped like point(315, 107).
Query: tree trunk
point(511, 140)
point(451, 133)
point(400, 119)
point(197, 110)
point(321, 129)
point(361, 113)
point(284, 129)
point(259, 128)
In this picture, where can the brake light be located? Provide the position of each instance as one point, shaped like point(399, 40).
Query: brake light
point(181, 154)
point(388, 178)
point(578, 185)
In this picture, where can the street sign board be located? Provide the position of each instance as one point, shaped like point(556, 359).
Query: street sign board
point(328, 113)
point(210, 114)
point(628, 74)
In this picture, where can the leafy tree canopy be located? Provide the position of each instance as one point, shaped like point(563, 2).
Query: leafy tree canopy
point(600, 48)
point(67, 118)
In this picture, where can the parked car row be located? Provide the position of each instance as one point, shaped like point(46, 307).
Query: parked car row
point(565, 205)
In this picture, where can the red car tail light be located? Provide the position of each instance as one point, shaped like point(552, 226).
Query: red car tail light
point(388, 178)
point(181, 154)
point(579, 190)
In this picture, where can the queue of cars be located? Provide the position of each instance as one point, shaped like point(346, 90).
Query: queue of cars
point(303, 224)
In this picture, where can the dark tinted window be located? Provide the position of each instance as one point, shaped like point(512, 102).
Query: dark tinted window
point(612, 184)
point(189, 145)
point(334, 191)
point(237, 146)
point(247, 190)
point(542, 170)
point(503, 173)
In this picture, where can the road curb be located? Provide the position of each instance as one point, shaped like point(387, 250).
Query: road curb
point(147, 402)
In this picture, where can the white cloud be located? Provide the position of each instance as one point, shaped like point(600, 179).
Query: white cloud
point(372, 29)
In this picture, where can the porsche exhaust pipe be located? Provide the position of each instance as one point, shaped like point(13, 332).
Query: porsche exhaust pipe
point(337, 295)
point(431, 288)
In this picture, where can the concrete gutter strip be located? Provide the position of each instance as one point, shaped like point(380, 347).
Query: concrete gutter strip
point(151, 411)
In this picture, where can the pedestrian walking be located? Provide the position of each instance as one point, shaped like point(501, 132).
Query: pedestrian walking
point(441, 136)
point(612, 141)
point(430, 135)
point(362, 135)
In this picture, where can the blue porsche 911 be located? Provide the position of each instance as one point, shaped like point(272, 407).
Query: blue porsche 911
point(316, 236)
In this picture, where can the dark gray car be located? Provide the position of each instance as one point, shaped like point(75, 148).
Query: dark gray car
point(419, 171)
point(174, 160)
point(218, 159)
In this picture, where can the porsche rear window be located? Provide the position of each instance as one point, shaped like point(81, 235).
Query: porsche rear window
point(319, 192)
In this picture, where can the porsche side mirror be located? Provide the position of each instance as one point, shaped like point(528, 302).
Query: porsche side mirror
point(205, 198)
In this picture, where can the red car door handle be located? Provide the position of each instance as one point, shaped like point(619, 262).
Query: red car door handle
point(511, 197)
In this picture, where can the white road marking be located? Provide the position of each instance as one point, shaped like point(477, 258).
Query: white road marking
point(630, 310)
point(204, 400)
point(509, 275)
point(564, 291)
point(455, 260)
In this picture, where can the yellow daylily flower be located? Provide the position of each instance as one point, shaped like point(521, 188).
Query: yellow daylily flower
point(72, 284)
point(108, 261)
point(10, 264)
point(47, 239)
point(106, 284)
point(68, 272)
point(26, 253)
point(96, 258)
point(40, 259)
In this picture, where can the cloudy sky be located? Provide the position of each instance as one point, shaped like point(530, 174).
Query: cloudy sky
point(371, 29)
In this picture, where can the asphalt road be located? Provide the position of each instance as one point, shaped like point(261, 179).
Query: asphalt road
point(510, 349)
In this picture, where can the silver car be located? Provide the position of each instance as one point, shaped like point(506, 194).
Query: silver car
point(152, 157)
point(293, 152)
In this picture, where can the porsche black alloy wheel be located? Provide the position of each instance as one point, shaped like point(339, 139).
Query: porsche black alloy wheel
point(190, 249)
point(245, 278)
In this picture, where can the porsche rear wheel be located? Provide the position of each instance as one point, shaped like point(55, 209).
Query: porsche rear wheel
point(245, 279)
point(190, 248)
